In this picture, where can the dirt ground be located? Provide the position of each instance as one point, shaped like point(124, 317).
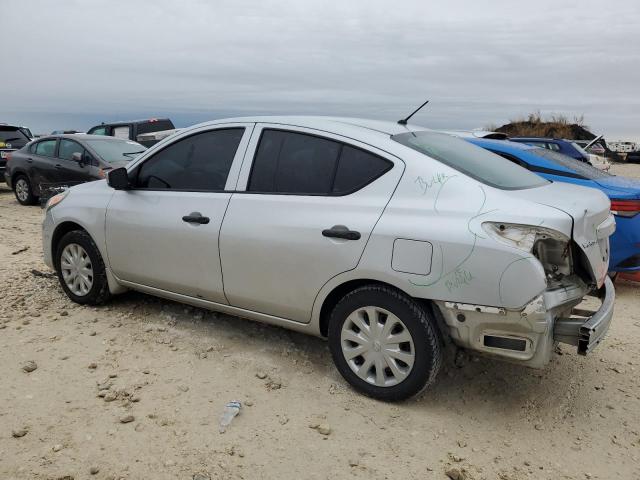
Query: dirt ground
point(170, 370)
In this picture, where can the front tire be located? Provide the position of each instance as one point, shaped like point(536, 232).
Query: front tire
point(81, 270)
point(384, 343)
point(23, 192)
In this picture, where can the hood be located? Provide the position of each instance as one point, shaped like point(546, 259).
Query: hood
point(620, 186)
point(592, 220)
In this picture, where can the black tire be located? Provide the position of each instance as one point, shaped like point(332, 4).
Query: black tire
point(29, 198)
point(99, 291)
point(418, 321)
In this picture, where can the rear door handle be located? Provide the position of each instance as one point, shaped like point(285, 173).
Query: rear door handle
point(340, 231)
point(58, 166)
point(195, 217)
point(29, 160)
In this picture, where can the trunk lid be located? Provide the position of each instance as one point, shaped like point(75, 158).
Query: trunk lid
point(592, 221)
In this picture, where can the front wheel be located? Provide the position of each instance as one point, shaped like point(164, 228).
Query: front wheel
point(384, 343)
point(80, 268)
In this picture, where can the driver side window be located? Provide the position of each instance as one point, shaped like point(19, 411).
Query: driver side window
point(200, 162)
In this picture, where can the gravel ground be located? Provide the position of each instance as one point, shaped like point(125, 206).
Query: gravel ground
point(134, 390)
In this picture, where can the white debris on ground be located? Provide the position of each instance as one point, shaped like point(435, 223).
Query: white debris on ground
point(134, 390)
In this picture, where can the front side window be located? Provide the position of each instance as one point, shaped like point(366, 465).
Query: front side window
point(200, 162)
point(67, 148)
point(46, 148)
point(474, 161)
point(296, 163)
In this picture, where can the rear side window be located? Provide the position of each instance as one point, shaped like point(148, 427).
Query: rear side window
point(121, 132)
point(297, 163)
point(200, 162)
point(46, 148)
point(357, 168)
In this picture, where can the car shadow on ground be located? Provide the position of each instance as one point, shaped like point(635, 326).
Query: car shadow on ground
point(464, 380)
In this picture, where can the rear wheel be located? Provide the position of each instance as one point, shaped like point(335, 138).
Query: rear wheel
point(80, 268)
point(384, 343)
point(23, 192)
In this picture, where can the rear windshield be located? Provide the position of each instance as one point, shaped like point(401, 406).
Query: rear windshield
point(14, 136)
point(581, 168)
point(476, 162)
point(114, 150)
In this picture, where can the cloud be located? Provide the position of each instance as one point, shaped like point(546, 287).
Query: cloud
point(478, 62)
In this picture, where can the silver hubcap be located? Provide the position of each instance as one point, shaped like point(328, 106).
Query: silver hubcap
point(76, 268)
point(22, 189)
point(377, 346)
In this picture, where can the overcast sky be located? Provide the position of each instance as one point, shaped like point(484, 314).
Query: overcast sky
point(72, 64)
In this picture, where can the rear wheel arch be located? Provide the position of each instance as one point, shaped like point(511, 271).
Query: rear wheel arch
point(338, 292)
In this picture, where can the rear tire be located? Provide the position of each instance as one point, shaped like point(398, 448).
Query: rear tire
point(23, 192)
point(80, 269)
point(384, 343)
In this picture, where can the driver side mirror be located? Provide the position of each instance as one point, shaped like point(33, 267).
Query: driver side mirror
point(118, 179)
point(77, 157)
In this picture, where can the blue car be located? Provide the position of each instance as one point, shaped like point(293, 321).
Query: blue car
point(566, 147)
point(623, 192)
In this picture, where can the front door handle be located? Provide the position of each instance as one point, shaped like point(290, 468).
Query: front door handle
point(195, 217)
point(29, 160)
point(340, 231)
point(58, 166)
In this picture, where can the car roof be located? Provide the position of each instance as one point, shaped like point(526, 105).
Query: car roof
point(328, 123)
point(541, 139)
point(526, 153)
point(83, 136)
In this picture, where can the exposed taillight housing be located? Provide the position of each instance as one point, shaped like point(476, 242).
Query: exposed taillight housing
point(625, 208)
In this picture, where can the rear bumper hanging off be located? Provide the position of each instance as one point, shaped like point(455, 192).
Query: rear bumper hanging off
point(586, 328)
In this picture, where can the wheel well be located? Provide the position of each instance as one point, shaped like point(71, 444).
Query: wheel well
point(60, 231)
point(15, 176)
point(341, 290)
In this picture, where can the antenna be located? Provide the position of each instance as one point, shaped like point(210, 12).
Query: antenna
point(405, 120)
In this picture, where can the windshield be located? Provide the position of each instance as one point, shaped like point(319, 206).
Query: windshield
point(581, 168)
point(14, 136)
point(476, 162)
point(113, 150)
point(580, 149)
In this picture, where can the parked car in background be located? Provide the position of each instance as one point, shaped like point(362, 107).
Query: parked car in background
point(61, 132)
point(633, 157)
point(566, 147)
point(133, 129)
point(385, 238)
point(624, 193)
point(12, 137)
point(64, 160)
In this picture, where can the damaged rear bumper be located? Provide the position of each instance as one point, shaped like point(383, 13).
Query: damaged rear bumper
point(586, 328)
point(528, 336)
